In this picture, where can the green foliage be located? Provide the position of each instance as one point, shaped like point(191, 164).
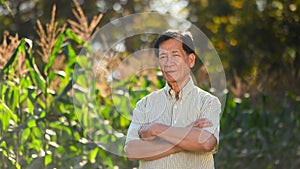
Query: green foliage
point(258, 40)
point(3, 2)
point(252, 137)
point(39, 128)
point(54, 118)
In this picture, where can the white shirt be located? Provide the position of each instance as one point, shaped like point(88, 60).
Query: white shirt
point(162, 107)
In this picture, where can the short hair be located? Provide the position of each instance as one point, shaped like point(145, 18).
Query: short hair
point(184, 37)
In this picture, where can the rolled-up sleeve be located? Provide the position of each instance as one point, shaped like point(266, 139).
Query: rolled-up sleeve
point(211, 110)
point(137, 121)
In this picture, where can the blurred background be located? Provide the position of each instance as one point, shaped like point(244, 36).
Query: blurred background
point(257, 41)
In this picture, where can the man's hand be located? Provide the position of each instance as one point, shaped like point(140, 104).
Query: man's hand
point(147, 132)
point(201, 123)
point(190, 138)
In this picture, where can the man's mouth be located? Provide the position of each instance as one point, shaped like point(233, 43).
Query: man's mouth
point(170, 71)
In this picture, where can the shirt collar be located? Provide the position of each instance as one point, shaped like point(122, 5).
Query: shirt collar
point(183, 92)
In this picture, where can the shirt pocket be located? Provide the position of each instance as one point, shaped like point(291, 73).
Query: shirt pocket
point(189, 114)
point(155, 109)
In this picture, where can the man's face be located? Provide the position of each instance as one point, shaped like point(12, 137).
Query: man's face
point(174, 62)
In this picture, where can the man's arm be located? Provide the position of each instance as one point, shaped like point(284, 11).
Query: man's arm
point(149, 150)
point(189, 138)
point(156, 148)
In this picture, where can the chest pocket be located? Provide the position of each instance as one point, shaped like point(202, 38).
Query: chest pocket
point(155, 108)
point(187, 113)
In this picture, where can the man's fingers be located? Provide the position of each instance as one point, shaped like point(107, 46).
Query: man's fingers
point(148, 138)
point(201, 123)
point(145, 134)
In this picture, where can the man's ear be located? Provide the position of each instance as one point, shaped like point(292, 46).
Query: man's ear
point(192, 59)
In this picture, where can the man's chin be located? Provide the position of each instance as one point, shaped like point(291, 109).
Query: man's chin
point(170, 79)
point(170, 76)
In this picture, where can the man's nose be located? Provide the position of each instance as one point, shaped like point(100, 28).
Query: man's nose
point(169, 61)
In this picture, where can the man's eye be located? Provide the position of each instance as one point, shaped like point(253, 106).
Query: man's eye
point(162, 56)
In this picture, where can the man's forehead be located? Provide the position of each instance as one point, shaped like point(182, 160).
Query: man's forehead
point(170, 45)
point(169, 50)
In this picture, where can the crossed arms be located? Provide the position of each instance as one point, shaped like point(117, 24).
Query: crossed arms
point(160, 140)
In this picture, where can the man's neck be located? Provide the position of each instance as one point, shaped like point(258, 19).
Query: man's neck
point(176, 87)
